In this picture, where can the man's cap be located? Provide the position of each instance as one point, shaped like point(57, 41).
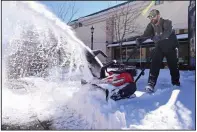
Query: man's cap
point(153, 13)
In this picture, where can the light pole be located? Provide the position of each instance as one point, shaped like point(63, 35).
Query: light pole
point(92, 31)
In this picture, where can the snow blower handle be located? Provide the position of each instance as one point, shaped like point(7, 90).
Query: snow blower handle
point(140, 40)
point(109, 64)
point(138, 44)
point(143, 69)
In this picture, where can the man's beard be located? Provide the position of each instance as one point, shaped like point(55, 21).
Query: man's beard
point(154, 21)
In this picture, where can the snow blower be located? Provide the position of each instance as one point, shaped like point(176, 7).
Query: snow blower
point(122, 79)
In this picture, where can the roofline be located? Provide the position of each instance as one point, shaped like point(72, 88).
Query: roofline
point(103, 10)
point(133, 42)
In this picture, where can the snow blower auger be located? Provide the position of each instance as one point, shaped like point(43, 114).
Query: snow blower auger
point(122, 79)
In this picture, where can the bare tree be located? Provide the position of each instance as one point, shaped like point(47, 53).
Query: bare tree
point(66, 10)
point(124, 21)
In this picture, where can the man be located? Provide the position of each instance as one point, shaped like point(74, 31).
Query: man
point(166, 45)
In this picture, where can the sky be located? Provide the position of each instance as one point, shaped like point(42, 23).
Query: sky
point(84, 7)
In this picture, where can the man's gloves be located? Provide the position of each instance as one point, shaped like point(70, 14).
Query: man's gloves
point(156, 38)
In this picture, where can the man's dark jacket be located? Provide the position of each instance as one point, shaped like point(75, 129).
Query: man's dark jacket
point(166, 33)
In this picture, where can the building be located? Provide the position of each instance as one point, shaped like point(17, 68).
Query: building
point(192, 33)
point(105, 32)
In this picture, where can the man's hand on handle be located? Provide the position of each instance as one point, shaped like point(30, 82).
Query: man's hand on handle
point(156, 38)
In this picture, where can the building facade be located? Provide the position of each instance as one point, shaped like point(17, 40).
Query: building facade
point(192, 32)
point(108, 37)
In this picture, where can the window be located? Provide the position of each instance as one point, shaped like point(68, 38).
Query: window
point(129, 51)
point(181, 31)
point(158, 2)
point(185, 30)
point(123, 53)
point(80, 24)
point(117, 53)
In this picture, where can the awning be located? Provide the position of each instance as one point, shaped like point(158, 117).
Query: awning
point(179, 36)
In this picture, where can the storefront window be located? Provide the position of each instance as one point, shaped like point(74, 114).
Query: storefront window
point(134, 56)
point(129, 52)
point(117, 53)
point(123, 53)
point(146, 53)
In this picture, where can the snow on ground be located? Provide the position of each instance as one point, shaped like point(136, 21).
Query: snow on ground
point(168, 108)
point(68, 105)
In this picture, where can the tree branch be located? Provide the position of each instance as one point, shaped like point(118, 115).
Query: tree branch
point(65, 11)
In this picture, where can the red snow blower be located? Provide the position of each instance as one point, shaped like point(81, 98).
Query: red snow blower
point(122, 79)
